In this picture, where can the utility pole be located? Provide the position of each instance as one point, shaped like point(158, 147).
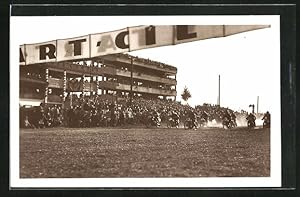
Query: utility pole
point(219, 93)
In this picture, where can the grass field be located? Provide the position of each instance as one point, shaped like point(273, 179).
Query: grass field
point(141, 152)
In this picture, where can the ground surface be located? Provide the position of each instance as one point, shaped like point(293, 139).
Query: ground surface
point(141, 152)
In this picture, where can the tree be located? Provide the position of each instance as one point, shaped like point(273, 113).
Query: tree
point(186, 94)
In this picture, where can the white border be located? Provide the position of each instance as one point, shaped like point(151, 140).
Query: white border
point(273, 181)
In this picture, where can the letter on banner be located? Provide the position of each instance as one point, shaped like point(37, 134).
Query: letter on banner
point(22, 55)
point(189, 33)
point(73, 48)
point(40, 53)
point(142, 37)
point(109, 43)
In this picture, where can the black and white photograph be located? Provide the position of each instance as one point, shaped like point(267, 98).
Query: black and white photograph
point(145, 101)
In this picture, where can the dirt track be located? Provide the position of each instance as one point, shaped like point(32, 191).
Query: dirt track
point(112, 152)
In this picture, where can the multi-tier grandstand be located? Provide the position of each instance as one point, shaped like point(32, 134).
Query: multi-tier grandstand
point(111, 77)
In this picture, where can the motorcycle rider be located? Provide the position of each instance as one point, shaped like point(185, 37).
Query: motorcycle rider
point(233, 119)
point(175, 117)
point(156, 117)
point(193, 116)
point(226, 118)
point(204, 116)
point(267, 118)
point(251, 118)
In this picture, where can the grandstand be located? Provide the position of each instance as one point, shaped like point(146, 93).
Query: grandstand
point(111, 77)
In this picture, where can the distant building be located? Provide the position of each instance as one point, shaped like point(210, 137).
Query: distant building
point(107, 77)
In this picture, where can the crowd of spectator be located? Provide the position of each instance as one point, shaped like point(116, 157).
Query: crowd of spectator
point(92, 111)
point(31, 75)
point(41, 116)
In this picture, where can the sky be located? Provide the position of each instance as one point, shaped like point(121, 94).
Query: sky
point(248, 63)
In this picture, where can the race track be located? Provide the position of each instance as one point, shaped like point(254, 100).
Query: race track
point(144, 152)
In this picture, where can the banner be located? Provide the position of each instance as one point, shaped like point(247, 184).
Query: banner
point(110, 43)
point(143, 37)
point(191, 33)
point(124, 40)
point(21, 55)
point(73, 48)
point(39, 53)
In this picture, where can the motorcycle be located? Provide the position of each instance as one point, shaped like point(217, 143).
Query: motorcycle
point(153, 121)
point(189, 124)
point(251, 123)
point(266, 123)
point(233, 123)
point(172, 123)
point(202, 122)
point(227, 123)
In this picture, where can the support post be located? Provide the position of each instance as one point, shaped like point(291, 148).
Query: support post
point(47, 84)
point(102, 77)
point(97, 85)
point(91, 78)
point(131, 80)
point(104, 89)
point(175, 87)
point(71, 99)
point(83, 84)
point(65, 86)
